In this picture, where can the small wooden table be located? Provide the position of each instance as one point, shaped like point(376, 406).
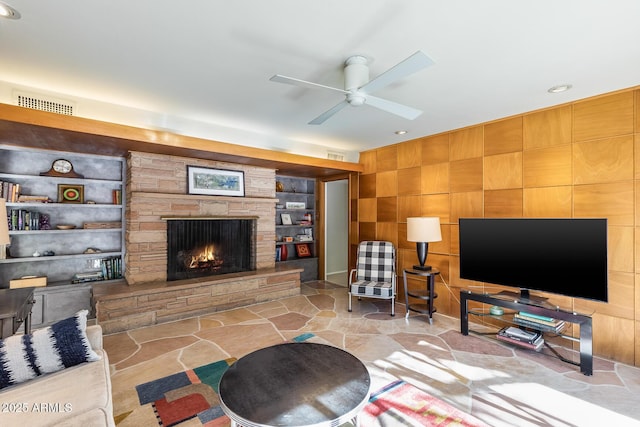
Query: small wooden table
point(295, 384)
point(15, 308)
point(426, 295)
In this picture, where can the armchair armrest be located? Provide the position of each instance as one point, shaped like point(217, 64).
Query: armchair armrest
point(94, 334)
point(351, 275)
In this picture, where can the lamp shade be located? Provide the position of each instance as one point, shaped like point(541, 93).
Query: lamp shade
point(423, 229)
point(4, 228)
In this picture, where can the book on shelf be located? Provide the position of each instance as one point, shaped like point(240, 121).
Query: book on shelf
point(116, 196)
point(528, 339)
point(536, 316)
point(555, 328)
point(542, 320)
point(9, 191)
point(87, 277)
point(532, 346)
point(23, 220)
point(521, 334)
point(110, 269)
point(26, 198)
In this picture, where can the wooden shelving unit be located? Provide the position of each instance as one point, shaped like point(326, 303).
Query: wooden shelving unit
point(301, 193)
point(60, 254)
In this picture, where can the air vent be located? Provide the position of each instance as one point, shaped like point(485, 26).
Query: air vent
point(334, 155)
point(43, 103)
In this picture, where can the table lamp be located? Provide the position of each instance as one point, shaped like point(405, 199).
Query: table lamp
point(423, 230)
point(4, 230)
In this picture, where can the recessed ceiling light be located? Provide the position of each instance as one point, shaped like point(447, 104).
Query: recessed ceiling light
point(400, 132)
point(8, 12)
point(559, 88)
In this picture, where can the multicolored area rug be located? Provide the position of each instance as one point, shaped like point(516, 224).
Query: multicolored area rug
point(190, 398)
point(186, 395)
point(401, 404)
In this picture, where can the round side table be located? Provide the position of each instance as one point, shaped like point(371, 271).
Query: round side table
point(425, 296)
point(295, 384)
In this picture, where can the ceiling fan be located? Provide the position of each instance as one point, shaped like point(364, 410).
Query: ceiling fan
point(358, 87)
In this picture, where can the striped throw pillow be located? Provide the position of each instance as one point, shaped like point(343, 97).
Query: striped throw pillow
point(61, 345)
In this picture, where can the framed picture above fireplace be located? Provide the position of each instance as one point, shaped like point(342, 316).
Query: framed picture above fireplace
point(215, 182)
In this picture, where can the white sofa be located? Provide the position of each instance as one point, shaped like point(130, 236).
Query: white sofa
point(76, 396)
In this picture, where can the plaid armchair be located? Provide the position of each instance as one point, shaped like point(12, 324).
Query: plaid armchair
point(375, 272)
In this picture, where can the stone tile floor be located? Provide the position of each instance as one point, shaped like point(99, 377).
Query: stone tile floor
point(500, 384)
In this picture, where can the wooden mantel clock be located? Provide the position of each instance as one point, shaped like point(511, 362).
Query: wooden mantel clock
point(62, 168)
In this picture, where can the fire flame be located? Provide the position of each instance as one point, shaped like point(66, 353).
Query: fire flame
point(206, 256)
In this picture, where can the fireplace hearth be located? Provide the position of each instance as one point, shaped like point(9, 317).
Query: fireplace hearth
point(198, 247)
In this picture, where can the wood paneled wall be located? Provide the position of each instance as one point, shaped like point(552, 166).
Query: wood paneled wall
point(575, 160)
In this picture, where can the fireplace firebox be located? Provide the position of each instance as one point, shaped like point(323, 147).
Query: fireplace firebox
point(199, 247)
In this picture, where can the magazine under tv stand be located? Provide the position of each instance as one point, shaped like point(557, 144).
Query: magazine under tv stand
point(514, 302)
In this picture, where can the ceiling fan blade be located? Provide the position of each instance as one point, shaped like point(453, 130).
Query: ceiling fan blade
point(303, 83)
point(412, 64)
point(408, 113)
point(324, 116)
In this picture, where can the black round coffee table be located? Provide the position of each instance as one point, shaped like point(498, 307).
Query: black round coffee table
point(295, 384)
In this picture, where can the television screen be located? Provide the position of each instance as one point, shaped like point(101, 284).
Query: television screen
point(564, 256)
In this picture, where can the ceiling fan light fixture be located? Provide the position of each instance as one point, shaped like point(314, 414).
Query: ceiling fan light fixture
point(358, 88)
point(400, 132)
point(8, 12)
point(559, 88)
point(356, 99)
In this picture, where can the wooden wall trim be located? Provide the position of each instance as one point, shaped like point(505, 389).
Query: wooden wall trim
point(39, 129)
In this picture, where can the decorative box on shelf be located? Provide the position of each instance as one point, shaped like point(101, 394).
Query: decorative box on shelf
point(295, 205)
point(101, 225)
point(28, 282)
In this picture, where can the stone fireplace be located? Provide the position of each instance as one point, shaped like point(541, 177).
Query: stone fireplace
point(200, 247)
point(156, 194)
point(156, 191)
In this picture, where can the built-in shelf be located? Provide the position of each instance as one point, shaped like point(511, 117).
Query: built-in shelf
point(59, 257)
point(72, 231)
point(17, 176)
point(63, 205)
point(302, 191)
point(78, 253)
point(293, 243)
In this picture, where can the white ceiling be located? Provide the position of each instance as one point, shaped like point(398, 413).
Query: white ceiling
point(202, 67)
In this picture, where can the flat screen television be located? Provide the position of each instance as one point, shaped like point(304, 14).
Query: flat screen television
point(566, 256)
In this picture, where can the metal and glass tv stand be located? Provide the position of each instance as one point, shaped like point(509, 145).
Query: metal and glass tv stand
point(514, 301)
